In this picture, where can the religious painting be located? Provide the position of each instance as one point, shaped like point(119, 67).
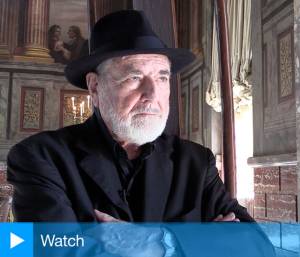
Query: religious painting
point(285, 65)
point(68, 30)
point(32, 107)
point(184, 116)
point(75, 107)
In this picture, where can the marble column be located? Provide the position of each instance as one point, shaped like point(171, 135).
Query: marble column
point(4, 29)
point(297, 86)
point(37, 24)
point(14, 11)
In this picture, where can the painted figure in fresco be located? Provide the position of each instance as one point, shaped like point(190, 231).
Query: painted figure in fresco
point(76, 43)
point(58, 49)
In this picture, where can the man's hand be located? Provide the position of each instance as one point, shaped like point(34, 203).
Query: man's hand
point(103, 217)
point(229, 217)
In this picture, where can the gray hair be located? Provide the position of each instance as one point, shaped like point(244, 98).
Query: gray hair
point(103, 69)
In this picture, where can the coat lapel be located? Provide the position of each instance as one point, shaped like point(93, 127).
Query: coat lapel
point(158, 180)
point(98, 163)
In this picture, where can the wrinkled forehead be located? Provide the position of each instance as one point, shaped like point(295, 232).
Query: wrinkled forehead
point(142, 60)
point(138, 62)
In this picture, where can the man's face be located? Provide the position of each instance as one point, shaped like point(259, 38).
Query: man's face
point(133, 96)
point(71, 33)
point(57, 33)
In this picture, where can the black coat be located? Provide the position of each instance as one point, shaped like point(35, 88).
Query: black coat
point(64, 175)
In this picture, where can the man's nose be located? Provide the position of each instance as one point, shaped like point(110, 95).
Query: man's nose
point(149, 88)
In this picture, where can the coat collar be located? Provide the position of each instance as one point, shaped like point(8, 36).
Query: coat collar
point(96, 155)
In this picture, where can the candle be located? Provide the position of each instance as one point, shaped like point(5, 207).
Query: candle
point(81, 110)
point(74, 112)
point(82, 106)
point(88, 104)
point(73, 103)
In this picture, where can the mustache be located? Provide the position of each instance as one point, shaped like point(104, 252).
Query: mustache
point(145, 109)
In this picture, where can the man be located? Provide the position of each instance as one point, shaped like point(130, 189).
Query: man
point(118, 164)
point(76, 42)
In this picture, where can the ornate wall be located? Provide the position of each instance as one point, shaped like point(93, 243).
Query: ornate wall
point(274, 91)
point(275, 121)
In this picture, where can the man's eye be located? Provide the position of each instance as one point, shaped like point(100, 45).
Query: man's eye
point(163, 79)
point(136, 78)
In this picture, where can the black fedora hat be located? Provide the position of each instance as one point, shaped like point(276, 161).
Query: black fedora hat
point(119, 34)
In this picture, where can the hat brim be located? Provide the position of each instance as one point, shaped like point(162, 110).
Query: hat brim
point(76, 71)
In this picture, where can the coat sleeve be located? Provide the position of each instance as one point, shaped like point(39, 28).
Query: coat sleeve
point(39, 191)
point(216, 200)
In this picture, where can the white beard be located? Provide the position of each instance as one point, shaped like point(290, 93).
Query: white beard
point(135, 129)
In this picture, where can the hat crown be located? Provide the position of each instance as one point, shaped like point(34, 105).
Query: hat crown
point(122, 26)
point(119, 34)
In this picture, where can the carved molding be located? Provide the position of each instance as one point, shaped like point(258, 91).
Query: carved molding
point(32, 108)
point(285, 52)
point(273, 160)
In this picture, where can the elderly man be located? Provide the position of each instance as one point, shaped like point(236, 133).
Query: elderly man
point(119, 164)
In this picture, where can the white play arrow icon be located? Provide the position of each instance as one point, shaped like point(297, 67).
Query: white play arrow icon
point(15, 240)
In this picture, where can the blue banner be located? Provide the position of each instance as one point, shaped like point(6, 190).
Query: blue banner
point(148, 239)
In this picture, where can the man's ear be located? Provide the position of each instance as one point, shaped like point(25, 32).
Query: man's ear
point(92, 84)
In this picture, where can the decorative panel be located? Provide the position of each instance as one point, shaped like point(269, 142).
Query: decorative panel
point(196, 100)
point(75, 107)
point(4, 87)
point(184, 124)
point(285, 65)
point(274, 102)
point(32, 107)
point(195, 109)
point(265, 75)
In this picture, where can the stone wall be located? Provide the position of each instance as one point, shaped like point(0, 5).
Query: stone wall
point(275, 203)
point(276, 194)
